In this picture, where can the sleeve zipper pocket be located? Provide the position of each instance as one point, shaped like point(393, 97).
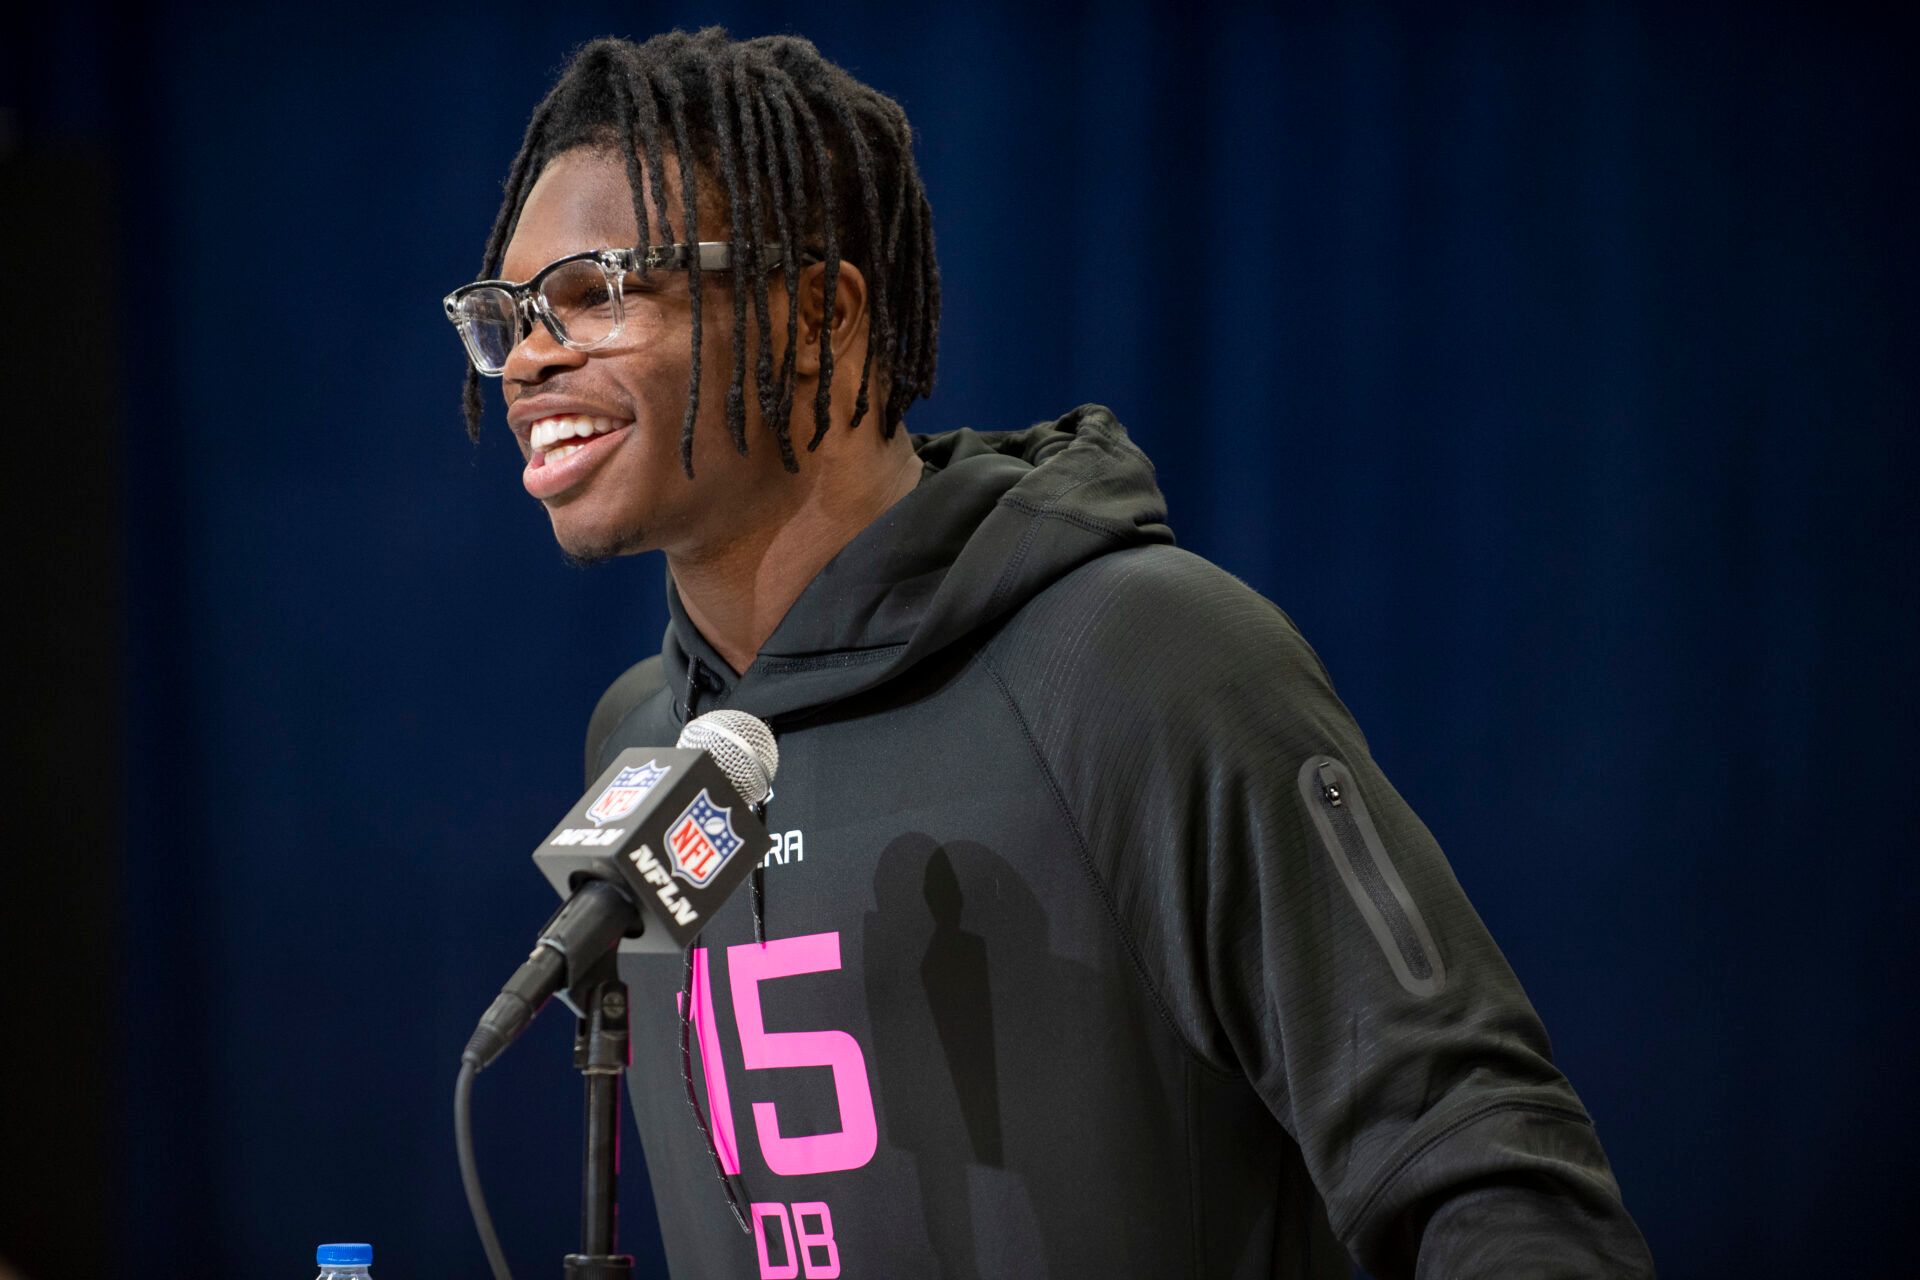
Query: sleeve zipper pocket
point(1347, 831)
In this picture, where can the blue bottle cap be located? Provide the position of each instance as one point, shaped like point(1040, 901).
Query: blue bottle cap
point(344, 1255)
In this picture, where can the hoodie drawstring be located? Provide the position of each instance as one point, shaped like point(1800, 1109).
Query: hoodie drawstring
point(693, 1095)
point(697, 677)
point(760, 888)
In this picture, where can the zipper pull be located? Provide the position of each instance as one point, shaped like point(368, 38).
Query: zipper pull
point(1329, 784)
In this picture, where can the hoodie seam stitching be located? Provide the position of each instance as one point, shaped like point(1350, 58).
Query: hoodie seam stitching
point(1099, 886)
point(791, 666)
point(1091, 523)
point(1196, 1206)
point(1009, 574)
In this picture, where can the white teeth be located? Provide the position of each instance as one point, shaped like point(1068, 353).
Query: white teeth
point(554, 455)
point(548, 432)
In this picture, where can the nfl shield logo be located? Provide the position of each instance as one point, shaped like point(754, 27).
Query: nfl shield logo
point(702, 839)
point(624, 794)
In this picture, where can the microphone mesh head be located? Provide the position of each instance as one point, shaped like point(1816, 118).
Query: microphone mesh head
point(742, 745)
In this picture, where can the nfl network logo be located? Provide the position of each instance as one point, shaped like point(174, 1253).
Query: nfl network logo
point(702, 839)
point(624, 794)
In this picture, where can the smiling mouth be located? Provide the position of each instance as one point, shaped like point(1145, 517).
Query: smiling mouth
point(563, 435)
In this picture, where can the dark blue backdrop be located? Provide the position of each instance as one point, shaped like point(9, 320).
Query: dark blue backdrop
point(1552, 368)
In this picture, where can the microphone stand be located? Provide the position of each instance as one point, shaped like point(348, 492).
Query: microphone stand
point(601, 1052)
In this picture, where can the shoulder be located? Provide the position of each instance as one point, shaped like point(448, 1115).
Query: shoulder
point(1157, 624)
point(634, 687)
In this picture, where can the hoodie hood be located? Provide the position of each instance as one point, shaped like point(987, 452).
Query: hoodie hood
point(997, 518)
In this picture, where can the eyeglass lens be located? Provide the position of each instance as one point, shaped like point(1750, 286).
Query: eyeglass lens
point(489, 324)
point(577, 299)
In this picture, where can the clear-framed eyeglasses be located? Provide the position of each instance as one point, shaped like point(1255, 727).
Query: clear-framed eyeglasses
point(580, 298)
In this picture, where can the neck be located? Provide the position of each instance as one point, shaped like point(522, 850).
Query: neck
point(737, 592)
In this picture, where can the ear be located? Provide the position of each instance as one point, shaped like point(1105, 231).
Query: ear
point(849, 315)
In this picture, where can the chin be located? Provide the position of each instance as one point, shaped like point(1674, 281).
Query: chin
point(584, 544)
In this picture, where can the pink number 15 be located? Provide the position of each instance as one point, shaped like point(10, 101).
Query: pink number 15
point(748, 966)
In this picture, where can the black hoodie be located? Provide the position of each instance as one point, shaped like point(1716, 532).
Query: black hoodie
point(1096, 943)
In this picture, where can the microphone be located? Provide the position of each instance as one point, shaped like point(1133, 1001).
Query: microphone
point(649, 853)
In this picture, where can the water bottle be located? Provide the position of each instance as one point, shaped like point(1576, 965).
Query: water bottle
point(344, 1261)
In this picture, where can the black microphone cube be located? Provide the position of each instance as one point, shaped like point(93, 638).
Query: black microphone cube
point(668, 827)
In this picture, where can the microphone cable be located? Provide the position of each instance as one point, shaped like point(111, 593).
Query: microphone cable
point(470, 1171)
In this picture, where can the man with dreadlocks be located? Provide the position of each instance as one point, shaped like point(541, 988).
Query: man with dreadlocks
point(1093, 941)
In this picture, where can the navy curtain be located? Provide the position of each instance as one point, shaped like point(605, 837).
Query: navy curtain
point(1553, 366)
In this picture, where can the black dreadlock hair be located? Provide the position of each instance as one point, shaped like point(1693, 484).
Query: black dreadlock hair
point(791, 135)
